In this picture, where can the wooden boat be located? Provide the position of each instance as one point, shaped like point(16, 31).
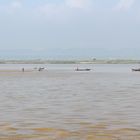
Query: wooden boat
point(82, 69)
point(136, 69)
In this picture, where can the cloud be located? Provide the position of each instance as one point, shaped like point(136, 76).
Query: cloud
point(11, 7)
point(67, 6)
point(82, 4)
point(51, 9)
point(16, 5)
point(124, 5)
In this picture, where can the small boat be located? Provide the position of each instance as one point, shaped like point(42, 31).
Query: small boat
point(136, 69)
point(41, 69)
point(82, 69)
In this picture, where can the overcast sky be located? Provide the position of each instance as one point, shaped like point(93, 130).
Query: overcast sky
point(70, 29)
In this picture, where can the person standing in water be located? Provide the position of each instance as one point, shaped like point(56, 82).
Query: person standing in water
point(22, 69)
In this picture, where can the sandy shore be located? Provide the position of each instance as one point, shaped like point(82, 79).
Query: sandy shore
point(90, 132)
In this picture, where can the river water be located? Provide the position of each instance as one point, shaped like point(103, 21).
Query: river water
point(60, 103)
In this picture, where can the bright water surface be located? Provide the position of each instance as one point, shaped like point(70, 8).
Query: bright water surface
point(60, 103)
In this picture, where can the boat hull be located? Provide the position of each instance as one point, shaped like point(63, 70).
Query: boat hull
point(135, 69)
point(82, 69)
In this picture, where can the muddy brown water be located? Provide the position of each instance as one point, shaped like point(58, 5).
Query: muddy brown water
point(60, 103)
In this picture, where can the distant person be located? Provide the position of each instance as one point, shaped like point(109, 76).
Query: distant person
point(22, 69)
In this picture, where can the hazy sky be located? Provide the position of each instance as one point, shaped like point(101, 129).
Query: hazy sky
point(69, 29)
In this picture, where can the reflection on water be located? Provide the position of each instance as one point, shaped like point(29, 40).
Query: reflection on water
point(64, 104)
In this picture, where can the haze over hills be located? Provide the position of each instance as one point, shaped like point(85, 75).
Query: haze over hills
point(69, 29)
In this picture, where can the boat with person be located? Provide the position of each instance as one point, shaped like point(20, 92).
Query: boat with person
point(136, 69)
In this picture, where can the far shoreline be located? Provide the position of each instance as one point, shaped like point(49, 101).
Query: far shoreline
point(82, 61)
